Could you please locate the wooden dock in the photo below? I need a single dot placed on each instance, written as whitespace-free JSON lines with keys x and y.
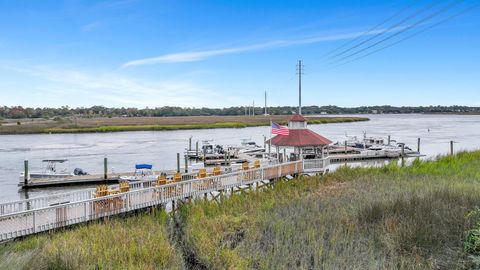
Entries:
{"x":25,"y":217}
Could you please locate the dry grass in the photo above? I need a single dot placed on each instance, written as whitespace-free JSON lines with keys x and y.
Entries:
{"x":69,"y":125}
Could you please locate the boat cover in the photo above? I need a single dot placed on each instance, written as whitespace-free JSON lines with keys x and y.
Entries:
{"x":143,"y":166}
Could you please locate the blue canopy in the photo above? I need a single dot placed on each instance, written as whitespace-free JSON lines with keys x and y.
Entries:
{"x":143,"y":166}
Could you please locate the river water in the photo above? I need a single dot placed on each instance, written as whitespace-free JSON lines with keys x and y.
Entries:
{"x":159,"y":148}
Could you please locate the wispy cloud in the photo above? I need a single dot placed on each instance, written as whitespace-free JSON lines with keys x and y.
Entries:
{"x":200,"y":55}
{"x":115,"y":3}
{"x":115,"y":89}
{"x":91,"y":26}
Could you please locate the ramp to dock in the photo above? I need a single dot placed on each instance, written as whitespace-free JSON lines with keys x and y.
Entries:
{"x":31,"y":216}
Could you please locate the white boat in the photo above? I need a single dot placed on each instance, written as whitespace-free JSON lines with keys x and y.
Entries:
{"x":143,"y":172}
{"x":50,"y":170}
{"x":207,"y":148}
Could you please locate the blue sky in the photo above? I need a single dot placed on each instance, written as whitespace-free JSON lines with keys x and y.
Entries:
{"x":138,"y":53}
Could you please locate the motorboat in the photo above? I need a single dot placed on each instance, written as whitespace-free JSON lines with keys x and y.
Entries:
{"x":50,"y":170}
{"x":143,"y":172}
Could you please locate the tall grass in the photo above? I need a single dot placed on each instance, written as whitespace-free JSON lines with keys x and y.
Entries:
{"x":371,"y":218}
{"x":393,"y":217}
{"x":139,"y":242}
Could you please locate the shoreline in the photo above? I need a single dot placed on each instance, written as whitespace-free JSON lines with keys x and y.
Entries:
{"x":190,"y":123}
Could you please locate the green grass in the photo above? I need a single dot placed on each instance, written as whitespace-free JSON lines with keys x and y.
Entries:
{"x":189,"y":126}
{"x":424,"y":216}
{"x":139,"y":242}
{"x":376,"y":218}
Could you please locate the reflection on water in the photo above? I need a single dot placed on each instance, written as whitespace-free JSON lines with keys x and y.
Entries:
{"x":159,"y":148}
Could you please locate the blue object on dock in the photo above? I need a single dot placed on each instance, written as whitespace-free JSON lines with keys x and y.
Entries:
{"x":143,"y":166}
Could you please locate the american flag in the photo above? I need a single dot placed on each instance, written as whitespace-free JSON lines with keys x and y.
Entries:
{"x":280,"y":130}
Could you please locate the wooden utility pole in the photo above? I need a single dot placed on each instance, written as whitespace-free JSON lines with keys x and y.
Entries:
{"x":265,"y":102}
{"x":299,"y":72}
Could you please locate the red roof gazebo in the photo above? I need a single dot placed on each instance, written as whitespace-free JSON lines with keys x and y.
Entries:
{"x":300,"y":138}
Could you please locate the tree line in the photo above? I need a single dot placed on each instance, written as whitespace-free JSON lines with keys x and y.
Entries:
{"x":18,"y":112}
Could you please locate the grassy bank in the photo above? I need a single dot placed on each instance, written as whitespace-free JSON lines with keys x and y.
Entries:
{"x":69,"y":125}
{"x":414,"y":217}
{"x":139,"y":242}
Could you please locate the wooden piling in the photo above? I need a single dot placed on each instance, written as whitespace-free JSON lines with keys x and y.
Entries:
{"x":190,"y":143}
{"x":418,"y":145}
{"x":26,"y":173}
{"x":403,"y":150}
{"x":186,"y":164}
{"x":196,"y":150}
{"x":451,"y":148}
{"x":105,"y":168}
{"x":389,"y":140}
{"x":178,"y":162}
{"x":346,"y":150}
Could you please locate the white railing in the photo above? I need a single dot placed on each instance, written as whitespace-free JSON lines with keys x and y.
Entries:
{"x":313,"y":165}
{"x":44,"y":215}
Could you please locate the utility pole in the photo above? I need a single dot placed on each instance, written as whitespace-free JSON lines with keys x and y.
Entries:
{"x":265,"y":102}
{"x":299,"y":72}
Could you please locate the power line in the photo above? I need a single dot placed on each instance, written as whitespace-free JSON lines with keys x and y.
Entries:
{"x":429,"y":17}
{"x":369,"y":30}
{"x":413,"y":35}
{"x":393,"y":27}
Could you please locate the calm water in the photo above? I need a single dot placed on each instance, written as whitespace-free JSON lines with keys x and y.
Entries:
{"x":159,"y":148}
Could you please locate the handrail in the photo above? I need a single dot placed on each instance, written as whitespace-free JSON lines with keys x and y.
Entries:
{"x":30,"y":221}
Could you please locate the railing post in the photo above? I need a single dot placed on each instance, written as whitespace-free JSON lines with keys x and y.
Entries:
{"x":85,"y":211}
{"x":127,"y":202}
{"x":33,"y":222}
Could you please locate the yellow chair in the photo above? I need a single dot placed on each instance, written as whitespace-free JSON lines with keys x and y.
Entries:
{"x":217,"y":171}
{"x":256,"y":164}
{"x":161,"y":180}
{"x":245,"y":165}
{"x":202,"y":173}
{"x":124,"y":186}
{"x":177,"y":177}
{"x":101,"y":190}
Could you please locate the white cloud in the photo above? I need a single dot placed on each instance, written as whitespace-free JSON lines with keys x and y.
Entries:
{"x":115,"y":89}
{"x":91,"y":26}
{"x":193,"y":56}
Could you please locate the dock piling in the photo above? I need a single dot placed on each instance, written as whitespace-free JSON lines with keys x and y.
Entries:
{"x":178,"y":162}
{"x":451,"y":148}
{"x":418,"y":145}
{"x":26,"y":173}
{"x":403,"y":150}
{"x":388,"y":139}
{"x":196,"y":150}
{"x":346,"y":150}
{"x":190,"y":143}
{"x":105,"y":168}
{"x":186,"y":164}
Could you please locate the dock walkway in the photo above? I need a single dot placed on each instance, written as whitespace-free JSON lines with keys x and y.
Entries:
{"x":32,"y":216}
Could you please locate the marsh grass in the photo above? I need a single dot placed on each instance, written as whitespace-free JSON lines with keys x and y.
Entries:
{"x":93,"y":125}
{"x":139,"y":242}
{"x":364,"y":218}
{"x":393,"y":217}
